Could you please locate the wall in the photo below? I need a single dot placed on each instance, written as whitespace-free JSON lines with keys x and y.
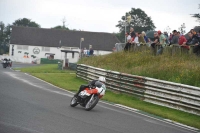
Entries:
{"x":19,"y":56}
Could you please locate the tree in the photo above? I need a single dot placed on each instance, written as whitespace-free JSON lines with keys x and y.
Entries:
{"x":119,"y":36}
{"x":60,"y":27}
{"x":26,"y":23}
{"x":4,"y":38}
{"x":5,"y":32}
{"x":140,"y":22}
{"x":197,"y":15}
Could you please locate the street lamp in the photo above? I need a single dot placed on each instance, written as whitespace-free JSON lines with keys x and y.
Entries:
{"x":9,"y":36}
{"x":60,"y":44}
{"x":12,"y":52}
{"x":126,"y":22}
{"x":81,"y":40}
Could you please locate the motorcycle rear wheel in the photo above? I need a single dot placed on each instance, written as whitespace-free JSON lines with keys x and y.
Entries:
{"x":91,"y":104}
{"x":73,"y":102}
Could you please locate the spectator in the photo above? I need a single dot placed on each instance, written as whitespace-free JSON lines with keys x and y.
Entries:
{"x":91,"y":51}
{"x":179,"y":34}
{"x":156,"y":40}
{"x":193,"y":40}
{"x":128,"y":44}
{"x":85,"y":52}
{"x":145,"y":37}
{"x":170,"y":38}
{"x":182,"y":40}
{"x":114,"y":49}
{"x":88,"y":52}
{"x":132,"y":33}
{"x":162,"y":40}
{"x":199,"y":34}
{"x":174,"y":38}
{"x":141,"y":39}
{"x":167,"y":37}
{"x":193,"y":32}
{"x":136,"y":40}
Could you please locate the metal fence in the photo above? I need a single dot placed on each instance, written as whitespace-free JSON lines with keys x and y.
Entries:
{"x":172,"y":49}
{"x":169,"y":94}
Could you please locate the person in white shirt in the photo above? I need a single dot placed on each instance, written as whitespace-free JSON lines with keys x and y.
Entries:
{"x":128,"y":37}
{"x":85,"y":52}
{"x":136,"y":40}
{"x":128,"y":44}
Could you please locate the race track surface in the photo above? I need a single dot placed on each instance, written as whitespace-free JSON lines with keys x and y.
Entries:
{"x":29,"y":105}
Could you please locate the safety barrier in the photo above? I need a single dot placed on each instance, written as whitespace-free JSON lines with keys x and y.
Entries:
{"x":169,"y":94}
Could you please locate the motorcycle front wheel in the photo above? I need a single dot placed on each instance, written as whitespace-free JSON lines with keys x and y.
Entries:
{"x":73,"y":102}
{"x":4,"y":65}
{"x":91,"y":104}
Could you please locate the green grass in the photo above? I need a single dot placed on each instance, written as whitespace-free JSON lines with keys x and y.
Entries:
{"x":167,"y":113}
{"x":48,"y":68}
{"x":68,"y":80}
{"x":178,"y":68}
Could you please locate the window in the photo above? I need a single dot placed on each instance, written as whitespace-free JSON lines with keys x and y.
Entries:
{"x":46,"y":49}
{"x":22,"y":47}
{"x":19,"y":47}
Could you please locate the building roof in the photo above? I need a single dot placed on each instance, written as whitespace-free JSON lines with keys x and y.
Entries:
{"x":51,"y":38}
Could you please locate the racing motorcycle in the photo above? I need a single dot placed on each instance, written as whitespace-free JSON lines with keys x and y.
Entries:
{"x":89,"y":97}
{"x":6,"y":63}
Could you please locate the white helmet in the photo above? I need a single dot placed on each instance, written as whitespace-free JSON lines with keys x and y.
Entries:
{"x":102,"y":79}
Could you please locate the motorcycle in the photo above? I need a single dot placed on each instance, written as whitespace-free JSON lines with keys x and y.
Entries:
{"x":89,"y":97}
{"x":7,"y":63}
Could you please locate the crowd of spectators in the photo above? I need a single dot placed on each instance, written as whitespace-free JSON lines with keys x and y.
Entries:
{"x":161,"y":40}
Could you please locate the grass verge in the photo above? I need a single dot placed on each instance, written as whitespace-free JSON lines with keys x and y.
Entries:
{"x":177,"y":68}
{"x":68,"y":80}
{"x":48,"y":68}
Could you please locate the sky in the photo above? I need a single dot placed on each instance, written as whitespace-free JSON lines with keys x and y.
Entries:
{"x":101,"y":15}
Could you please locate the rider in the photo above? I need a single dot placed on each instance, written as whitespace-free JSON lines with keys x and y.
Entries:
{"x":94,"y":84}
{"x":5,"y":59}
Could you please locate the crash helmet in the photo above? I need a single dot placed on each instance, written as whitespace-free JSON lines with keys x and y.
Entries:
{"x":102,"y":79}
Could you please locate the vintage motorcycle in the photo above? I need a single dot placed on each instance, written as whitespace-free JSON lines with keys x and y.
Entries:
{"x":6,"y":63}
{"x":89,"y":97}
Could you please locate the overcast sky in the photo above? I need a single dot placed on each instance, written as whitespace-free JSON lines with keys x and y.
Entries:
{"x":99,"y":15}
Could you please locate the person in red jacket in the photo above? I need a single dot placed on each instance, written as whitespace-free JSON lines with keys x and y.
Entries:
{"x":182,"y":40}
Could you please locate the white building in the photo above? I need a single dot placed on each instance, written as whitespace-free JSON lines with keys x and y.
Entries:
{"x":28,"y":44}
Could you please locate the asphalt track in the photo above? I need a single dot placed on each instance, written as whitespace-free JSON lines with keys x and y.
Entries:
{"x":29,"y":105}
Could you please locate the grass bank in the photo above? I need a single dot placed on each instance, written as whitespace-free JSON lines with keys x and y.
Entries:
{"x":178,"y":68}
{"x":68,"y":80}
